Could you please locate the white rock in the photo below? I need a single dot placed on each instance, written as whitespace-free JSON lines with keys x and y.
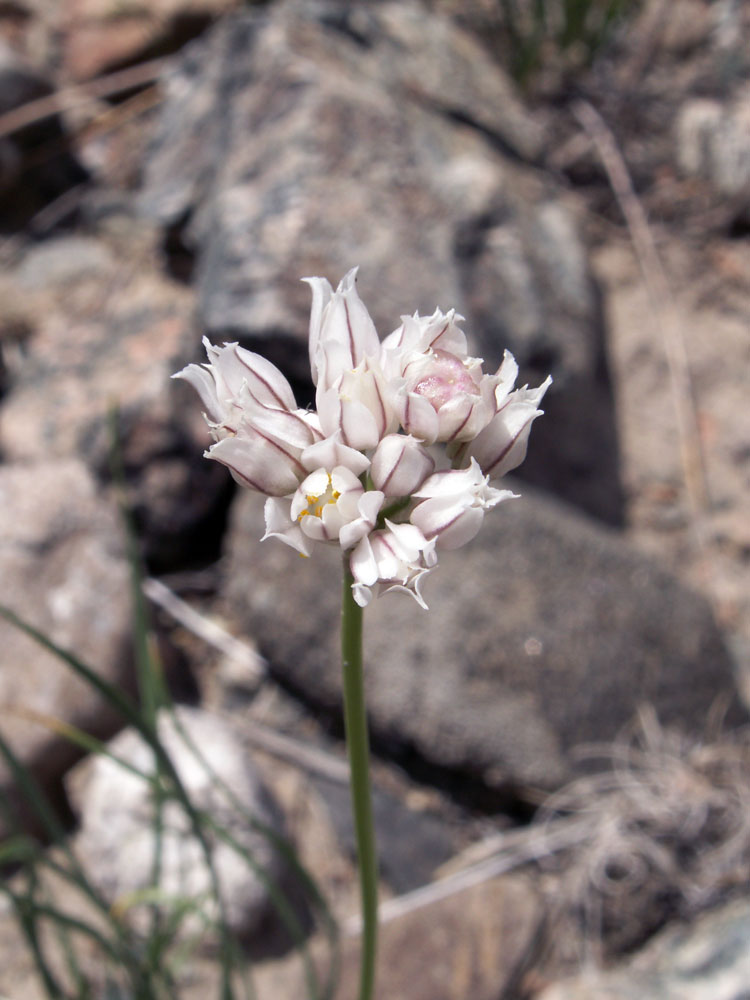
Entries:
{"x":117,"y":841}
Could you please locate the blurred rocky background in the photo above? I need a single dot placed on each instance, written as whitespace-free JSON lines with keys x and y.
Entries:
{"x":574,"y":178}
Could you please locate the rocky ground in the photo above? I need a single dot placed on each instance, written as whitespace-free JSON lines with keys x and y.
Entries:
{"x":596,"y":223}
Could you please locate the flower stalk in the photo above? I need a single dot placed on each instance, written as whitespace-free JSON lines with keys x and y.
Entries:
{"x":358,"y":748}
{"x":393,"y":466}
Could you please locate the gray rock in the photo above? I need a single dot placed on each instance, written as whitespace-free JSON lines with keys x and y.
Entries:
{"x":545,"y":633}
{"x":713,"y":142}
{"x":63,"y":260}
{"x":411,"y":844}
{"x":528,"y":287}
{"x":308,"y":137}
{"x":707,"y":960}
{"x":87,"y":351}
{"x":117,"y":838}
{"x":464,"y":945}
{"x":61,"y":569}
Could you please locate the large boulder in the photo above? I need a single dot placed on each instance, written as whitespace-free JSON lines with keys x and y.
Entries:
{"x":305,"y":138}
{"x":545,"y":633}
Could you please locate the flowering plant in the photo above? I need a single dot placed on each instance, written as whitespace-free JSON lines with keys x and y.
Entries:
{"x":393,"y":465}
{"x":360,"y":472}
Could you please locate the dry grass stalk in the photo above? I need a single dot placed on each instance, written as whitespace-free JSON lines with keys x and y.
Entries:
{"x":92,"y":92}
{"x":664,"y":310}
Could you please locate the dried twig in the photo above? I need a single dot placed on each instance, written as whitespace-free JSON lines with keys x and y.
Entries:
{"x":241,"y":652}
{"x":507,"y":852}
{"x":302,"y":755}
{"x":86,"y":93}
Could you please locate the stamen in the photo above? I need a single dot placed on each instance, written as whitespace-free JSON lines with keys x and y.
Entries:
{"x":315,"y":504}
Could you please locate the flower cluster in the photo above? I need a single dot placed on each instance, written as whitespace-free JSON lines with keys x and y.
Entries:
{"x":395,"y":463}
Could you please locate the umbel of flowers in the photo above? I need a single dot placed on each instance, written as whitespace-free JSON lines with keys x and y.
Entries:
{"x":396,"y":461}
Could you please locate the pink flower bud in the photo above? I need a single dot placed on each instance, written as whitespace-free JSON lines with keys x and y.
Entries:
{"x":443,"y":394}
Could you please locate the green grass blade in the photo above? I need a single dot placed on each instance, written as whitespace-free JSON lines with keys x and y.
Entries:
{"x":151,"y":686}
{"x":121,"y":702}
{"x":285,"y":850}
{"x":23,"y":904}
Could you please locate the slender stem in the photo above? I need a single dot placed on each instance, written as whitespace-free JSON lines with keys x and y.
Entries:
{"x":357,"y":741}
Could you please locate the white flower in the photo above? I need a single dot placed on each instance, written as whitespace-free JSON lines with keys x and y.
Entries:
{"x":501,"y":445}
{"x":326,"y":507}
{"x":259,"y":432}
{"x":453,"y":505}
{"x":260,"y":462}
{"x":378,"y":407}
{"x":397,"y":557}
{"x":233,"y":377}
{"x":357,"y":405}
{"x":342,"y":334}
{"x":344,"y":347}
{"x":333,"y":506}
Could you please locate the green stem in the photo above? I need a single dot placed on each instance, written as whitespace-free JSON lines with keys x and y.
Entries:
{"x":357,"y":742}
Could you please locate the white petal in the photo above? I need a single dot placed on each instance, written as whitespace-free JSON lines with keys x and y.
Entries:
{"x":279,"y":525}
{"x":440,"y":332}
{"x":400,"y":465}
{"x":264,"y":380}
{"x":362,"y":563}
{"x":346,"y":334}
{"x":286,"y":426}
{"x":332,"y":452}
{"x":322,"y":293}
{"x":453,"y":524}
{"x":414,"y":588}
{"x":461,"y":418}
{"x":359,"y":428}
{"x":418,"y":417}
{"x":450,"y":482}
{"x":502,"y":445}
{"x":202,"y":380}
{"x":368,"y":507}
{"x":361,"y":329}
{"x":507,"y":374}
{"x":408,"y":540}
{"x":362,"y":595}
